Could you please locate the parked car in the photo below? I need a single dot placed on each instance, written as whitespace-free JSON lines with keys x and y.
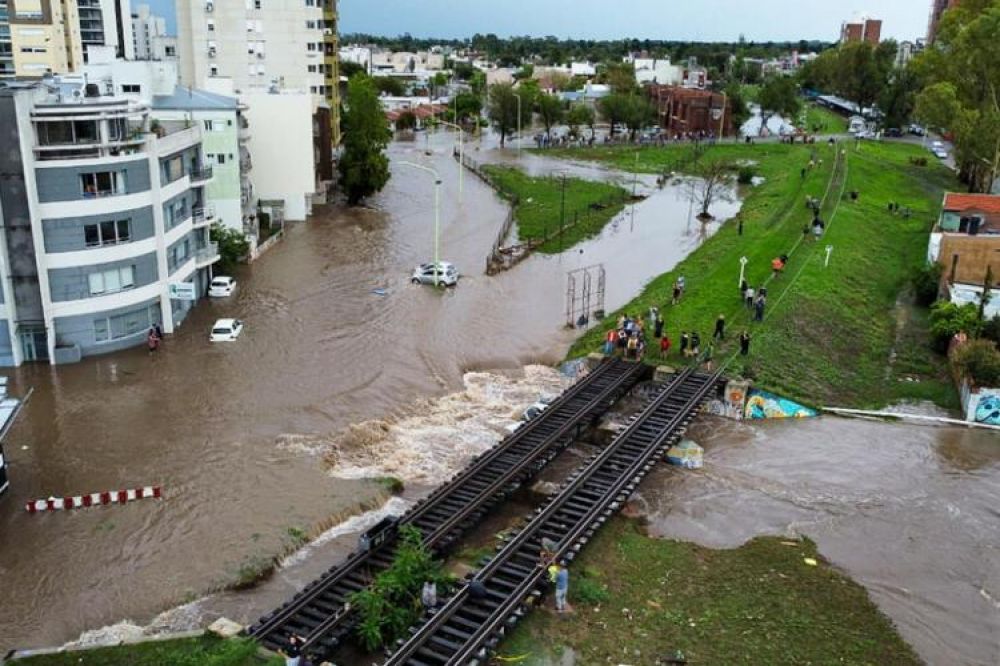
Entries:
{"x":941,"y":153}
{"x":226,"y":330}
{"x":221,"y":286}
{"x":894,"y":132}
{"x":916,"y":130}
{"x":445,"y":273}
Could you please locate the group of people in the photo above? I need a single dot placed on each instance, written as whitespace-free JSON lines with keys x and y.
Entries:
{"x":754,"y":299}
{"x":629,"y":336}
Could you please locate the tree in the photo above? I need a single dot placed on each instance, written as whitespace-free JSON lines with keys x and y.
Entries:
{"x":364,"y":168}
{"x":620,"y":76}
{"x":947,"y":319}
{"x":349,"y":69}
{"x":899,"y":97}
{"x":615,"y":109}
{"x":550,"y":111}
{"x":639,"y":113}
{"x":468,"y":105}
{"x":233,"y":245}
{"x":389,"y":85}
{"x":439,"y":80}
{"x":739,"y":110}
{"x":406,"y":121}
{"x":979,"y":360}
{"x":780,"y":95}
{"x":463,"y":71}
{"x":525,"y":73}
{"x":503,"y":109}
{"x":708,"y":185}
{"x":580,"y":115}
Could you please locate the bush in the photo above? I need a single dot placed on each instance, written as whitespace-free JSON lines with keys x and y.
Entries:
{"x":745,"y":175}
{"x":979,"y":360}
{"x":233,"y":245}
{"x":926,"y":283}
{"x":991,"y":329}
{"x":947,"y":319}
{"x":589,"y":591}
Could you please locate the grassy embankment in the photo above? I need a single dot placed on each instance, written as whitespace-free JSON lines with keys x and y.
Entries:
{"x":637,"y":599}
{"x":589,"y":204}
{"x":828,"y":121}
{"x":829,"y":332}
{"x":201,"y":651}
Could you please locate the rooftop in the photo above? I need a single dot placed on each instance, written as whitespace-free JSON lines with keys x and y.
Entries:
{"x":983,"y":203}
{"x":184,"y":98}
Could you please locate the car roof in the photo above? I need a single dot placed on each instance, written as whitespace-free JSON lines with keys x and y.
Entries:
{"x":219,"y":323}
{"x":222,"y":277}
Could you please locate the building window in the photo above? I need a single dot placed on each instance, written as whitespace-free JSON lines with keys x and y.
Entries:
{"x":208,"y":125}
{"x":33,"y":49}
{"x":130,"y":87}
{"x":112,"y":281}
{"x":310,"y":3}
{"x":310,"y":25}
{"x":102,"y":184}
{"x":256,"y":4}
{"x":220,"y":158}
{"x":213,"y":70}
{"x":211,"y":25}
{"x":311,"y":68}
{"x":111,"y":232}
{"x":176,"y":213}
{"x":310,"y":46}
{"x":124,"y":325}
{"x":173,"y":168}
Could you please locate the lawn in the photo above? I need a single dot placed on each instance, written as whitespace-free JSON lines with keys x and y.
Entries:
{"x":826,"y":120}
{"x":539,"y":206}
{"x":201,"y":651}
{"x":636,"y":600}
{"x":829,"y":332}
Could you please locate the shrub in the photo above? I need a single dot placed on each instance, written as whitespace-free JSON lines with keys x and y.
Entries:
{"x":926,"y":283}
{"x":991,"y":329}
{"x":979,"y":360}
{"x":947,"y":319}
{"x":745,"y":175}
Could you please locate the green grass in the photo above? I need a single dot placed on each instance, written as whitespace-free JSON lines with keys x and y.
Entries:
{"x":201,"y":651}
{"x":828,"y":121}
{"x":589,"y":206}
{"x":758,"y":604}
{"x":828,"y":332}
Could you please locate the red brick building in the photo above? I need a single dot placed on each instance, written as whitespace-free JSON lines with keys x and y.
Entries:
{"x":865,"y":29}
{"x":938,"y":8}
{"x":682,"y":110}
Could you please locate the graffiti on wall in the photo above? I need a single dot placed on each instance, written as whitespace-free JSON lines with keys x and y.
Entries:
{"x":764,"y":405}
{"x":731,"y":404}
{"x":988,"y":408}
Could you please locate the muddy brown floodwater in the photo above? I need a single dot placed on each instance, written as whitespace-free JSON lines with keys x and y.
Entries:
{"x":236,"y":433}
{"x":910,"y":512}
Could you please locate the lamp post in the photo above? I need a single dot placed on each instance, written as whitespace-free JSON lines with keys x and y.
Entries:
{"x":437,"y":211}
{"x":518,"y":125}
{"x":743,"y":267}
{"x":461,"y":153}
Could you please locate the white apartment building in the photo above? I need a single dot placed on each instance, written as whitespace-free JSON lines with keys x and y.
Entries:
{"x":259,"y":44}
{"x":103,"y":222}
{"x":150,"y":40}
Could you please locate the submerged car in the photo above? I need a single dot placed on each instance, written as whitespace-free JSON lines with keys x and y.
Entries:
{"x":226,"y":330}
{"x":221,"y":286}
{"x":443,"y":273}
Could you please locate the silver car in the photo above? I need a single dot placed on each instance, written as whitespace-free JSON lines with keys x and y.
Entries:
{"x":444,"y":273}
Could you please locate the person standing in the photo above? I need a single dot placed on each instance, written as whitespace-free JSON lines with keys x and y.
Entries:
{"x":293,"y":653}
{"x":428,"y":595}
{"x":720,"y":328}
{"x":744,"y":343}
{"x":658,"y":326}
{"x":743,"y":288}
{"x":609,"y":342}
{"x":676,"y":294}
{"x":759,"y":309}
{"x":665,"y":345}
{"x":562,"y":586}
{"x":739,"y":228}
{"x":749,"y":297}
{"x":695,"y":344}
{"x":685,"y":341}
{"x":709,"y":352}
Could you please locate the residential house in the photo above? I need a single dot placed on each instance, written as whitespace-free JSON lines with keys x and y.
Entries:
{"x":681,"y":110}
{"x":966,"y":243}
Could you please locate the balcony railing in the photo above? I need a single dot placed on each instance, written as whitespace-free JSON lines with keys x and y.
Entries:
{"x":201,"y":175}
{"x":208,"y":254}
{"x":246,"y":164}
{"x":203,"y":215}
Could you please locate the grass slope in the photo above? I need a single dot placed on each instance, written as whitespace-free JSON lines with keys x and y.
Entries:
{"x":591,"y":204}
{"x":758,"y":604}
{"x":828,"y":333}
{"x":202,"y":651}
{"x":828,"y":121}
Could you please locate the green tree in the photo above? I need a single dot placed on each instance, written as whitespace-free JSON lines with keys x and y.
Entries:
{"x":406,"y":121}
{"x":979,"y":360}
{"x":638,"y":114}
{"x":503,"y":109}
{"x":899,"y":97}
{"x":478,"y":82}
{"x":581,"y":115}
{"x":525,"y":73}
{"x":364,"y":167}
{"x":739,"y":109}
{"x":962,"y":93}
{"x":349,"y":69}
{"x":550,"y":111}
{"x":615,"y":109}
{"x":233,"y":245}
{"x":947,"y":319}
{"x":620,"y":76}
{"x":389,"y":85}
{"x":863,"y":71}
{"x":468,"y":105}
{"x":780,"y":95}
{"x":439,"y":80}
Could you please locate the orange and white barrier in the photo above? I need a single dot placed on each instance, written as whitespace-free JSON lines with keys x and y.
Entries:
{"x":93,"y":499}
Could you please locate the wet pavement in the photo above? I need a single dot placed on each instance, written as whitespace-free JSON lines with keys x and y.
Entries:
{"x":910,"y":512}
{"x":239,"y":434}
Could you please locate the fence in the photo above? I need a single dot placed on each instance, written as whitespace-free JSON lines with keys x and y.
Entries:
{"x":503,"y":257}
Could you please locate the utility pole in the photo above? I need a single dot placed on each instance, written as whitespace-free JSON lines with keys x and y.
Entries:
{"x":562,"y":212}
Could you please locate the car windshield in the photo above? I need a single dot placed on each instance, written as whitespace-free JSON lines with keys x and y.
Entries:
{"x":220,"y":283}
{"x":221,"y":331}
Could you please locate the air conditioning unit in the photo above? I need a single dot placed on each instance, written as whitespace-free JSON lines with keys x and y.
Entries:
{"x":260,"y":54}
{"x":211,"y":52}
{"x":209,"y":6}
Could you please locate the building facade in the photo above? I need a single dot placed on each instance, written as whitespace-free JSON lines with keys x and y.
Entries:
{"x":680,"y":110}
{"x":862,"y":29}
{"x":6,"y":48}
{"x":150,"y":40}
{"x":938,"y":8}
{"x":103,"y":219}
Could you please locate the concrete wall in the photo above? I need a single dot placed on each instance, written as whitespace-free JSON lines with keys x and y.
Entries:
{"x":63,"y":183}
{"x":71,"y":284}
{"x":975,"y":253}
{"x":67,"y":235}
{"x":80,"y":330}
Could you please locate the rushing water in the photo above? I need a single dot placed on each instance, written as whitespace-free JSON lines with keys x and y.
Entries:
{"x":910,"y":512}
{"x":240,"y":435}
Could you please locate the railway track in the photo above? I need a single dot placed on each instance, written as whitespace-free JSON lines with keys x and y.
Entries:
{"x":471,"y":622}
{"x":320,"y":613}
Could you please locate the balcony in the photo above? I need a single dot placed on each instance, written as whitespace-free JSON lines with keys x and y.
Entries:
{"x":205,"y":256}
{"x":246,"y":164}
{"x":203,"y":216}
{"x":244,"y":133}
{"x":200,"y":176}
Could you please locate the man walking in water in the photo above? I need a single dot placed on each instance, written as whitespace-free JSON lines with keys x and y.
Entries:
{"x":562,"y":586}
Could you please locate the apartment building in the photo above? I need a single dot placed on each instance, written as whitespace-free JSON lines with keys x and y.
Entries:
{"x":938,"y":8}
{"x":262,"y":45}
{"x":6,"y":48}
{"x":862,"y":29}
{"x":103,"y":222}
{"x":150,"y":40}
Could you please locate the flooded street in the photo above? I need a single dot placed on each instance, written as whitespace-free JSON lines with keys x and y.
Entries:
{"x":238,"y":434}
{"x":910,"y":512}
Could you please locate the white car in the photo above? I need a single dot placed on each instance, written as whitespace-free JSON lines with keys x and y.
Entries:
{"x":226,"y":330}
{"x":444,"y":273}
{"x":941,"y":153}
{"x":221,"y":286}
{"x":936,"y":145}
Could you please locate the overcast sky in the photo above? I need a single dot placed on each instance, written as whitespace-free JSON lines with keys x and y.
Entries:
{"x":703,"y":20}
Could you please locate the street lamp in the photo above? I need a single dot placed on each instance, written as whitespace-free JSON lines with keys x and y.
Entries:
{"x":437,"y":212}
{"x":461,"y":153}
{"x":743,"y":267}
{"x":518,"y":125}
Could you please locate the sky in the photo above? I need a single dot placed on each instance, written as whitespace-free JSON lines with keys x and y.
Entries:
{"x":701,"y":20}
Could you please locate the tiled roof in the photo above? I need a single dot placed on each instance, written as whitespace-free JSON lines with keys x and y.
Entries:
{"x":984,"y":203}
